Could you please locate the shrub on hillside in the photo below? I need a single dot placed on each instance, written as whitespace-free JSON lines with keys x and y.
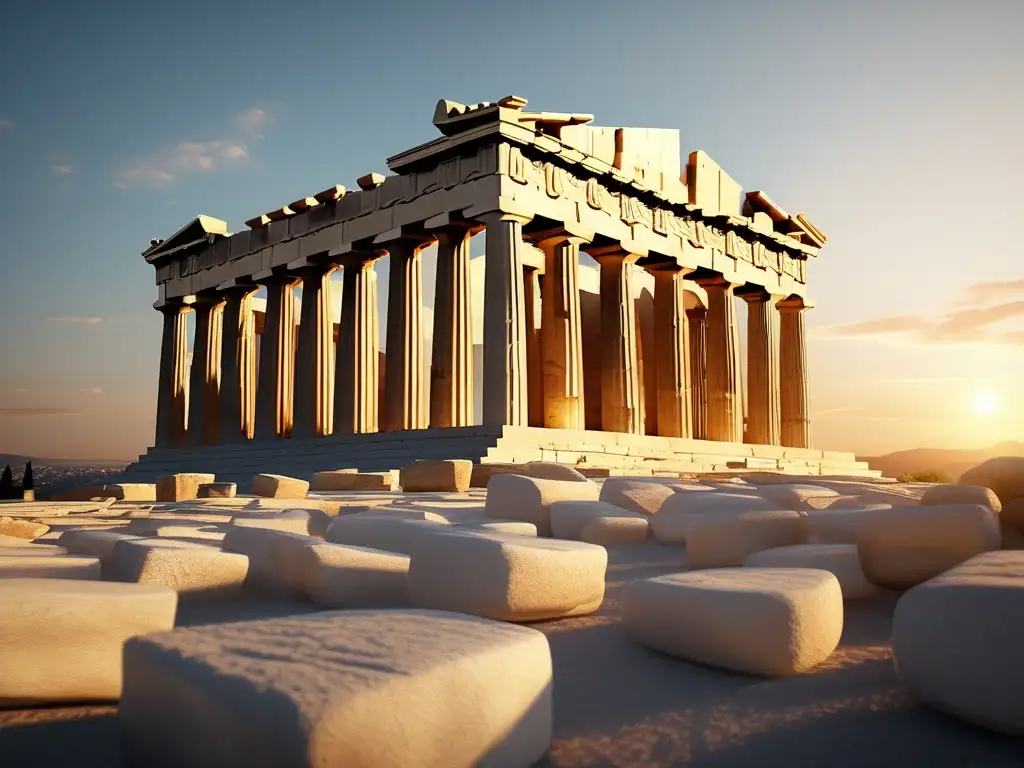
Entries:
{"x":928,"y":476}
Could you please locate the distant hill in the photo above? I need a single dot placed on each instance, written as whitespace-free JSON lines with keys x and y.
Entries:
{"x":950,"y":461}
{"x":16,"y":461}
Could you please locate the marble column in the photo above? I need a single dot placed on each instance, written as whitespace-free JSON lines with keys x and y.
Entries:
{"x":621,"y":404}
{"x":671,"y":357}
{"x":534,"y":374}
{"x":697,"y":320}
{"x":204,"y":376}
{"x":173,"y":376}
{"x":451,"y":369}
{"x":561,"y":334}
{"x":505,"y":393}
{"x":404,"y":385}
{"x":314,"y":362}
{"x":277,"y":359}
{"x":795,"y":416}
{"x":357,"y":370}
{"x":238,"y":365}
{"x":763,"y":404}
{"x":724,"y":403}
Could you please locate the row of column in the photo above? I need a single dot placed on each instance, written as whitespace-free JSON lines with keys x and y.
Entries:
{"x":308,"y":386}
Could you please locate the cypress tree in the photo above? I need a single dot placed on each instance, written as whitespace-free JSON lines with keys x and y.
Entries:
{"x":6,"y":483}
{"x":26,"y":481}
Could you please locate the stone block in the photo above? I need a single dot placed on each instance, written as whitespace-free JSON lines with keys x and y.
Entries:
{"x":508,"y":577}
{"x":424,"y":475}
{"x":838,"y":559}
{"x":482,"y":473}
{"x":131,"y":491}
{"x":900,"y":548}
{"x":609,"y":531}
{"x":98,"y":544}
{"x":500,"y":526}
{"x":22,"y":529}
{"x":798,"y":497}
{"x":350,"y":480}
{"x":277,"y":561}
{"x":726,"y":539}
{"x":569,"y":518}
{"x":529,"y":499}
{"x":640,"y":496}
{"x":181,"y":487}
{"x":836,"y":526}
{"x":192,"y":570}
{"x":955,"y":493}
{"x":279,"y":487}
{"x":62,"y":639}
{"x":43,"y":566}
{"x":1012,"y":516}
{"x":14,"y":547}
{"x":765,"y":621}
{"x":342,"y":576}
{"x":381,"y":531}
{"x":672,"y":522}
{"x":442,"y":690}
{"x":550,"y":470}
{"x":217,"y":491}
{"x":956,"y":640}
{"x":290,"y":520}
{"x":1003,"y":474}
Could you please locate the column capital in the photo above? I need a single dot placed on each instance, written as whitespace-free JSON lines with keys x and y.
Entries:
{"x":567,"y":232}
{"x":451,"y":222}
{"x":754,"y":294}
{"x":174,"y":305}
{"x":508,"y":211}
{"x":714,"y":280}
{"x":236,"y":286}
{"x":668,"y":269}
{"x":274,"y":277}
{"x":627,"y":250}
{"x":794,"y":303}
{"x":210,"y":298}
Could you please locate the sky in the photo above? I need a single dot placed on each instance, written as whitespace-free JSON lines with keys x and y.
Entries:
{"x":895,"y":127}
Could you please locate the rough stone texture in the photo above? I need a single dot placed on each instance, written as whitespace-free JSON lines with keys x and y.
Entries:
{"x":363,"y":688}
{"x":838,"y":559}
{"x":217,"y":491}
{"x":727,"y":539}
{"x":22,"y":529}
{"x":955,"y":493}
{"x":609,"y":531}
{"x":552,"y":470}
{"x":900,"y":548}
{"x":956,"y":641}
{"x":279,"y":487}
{"x":42,"y":566}
{"x":62,"y":639}
{"x":14,"y":547}
{"x":635,"y":495}
{"x":131,"y":491}
{"x":424,"y":475}
{"x":1004,"y":475}
{"x":1012,"y":515}
{"x":508,"y":577}
{"x":514,"y":497}
{"x":767,"y":621}
{"x":182,"y":486}
{"x":379,"y":531}
{"x":192,"y":570}
{"x":98,"y":544}
{"x":341,"y":576}
{"x":277,"y":563}
{"x":671,"y":524}
{"x":836,"y":526}
{"x":174,"y":529}
{"x":799,"y":497}
{"x":500,"y":526}
{"x":290,"y":520}
{"x":482,"y":473}
{"x":350,"y":480}
{"x":569,"y":518}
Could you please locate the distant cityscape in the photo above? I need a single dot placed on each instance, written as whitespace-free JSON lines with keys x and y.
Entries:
{"x":62,"y":475}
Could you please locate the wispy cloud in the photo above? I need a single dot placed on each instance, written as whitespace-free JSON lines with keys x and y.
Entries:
{"x":39,"y":412}
{"x":57,"y":168}
{"x":168,"y":164}
{"x":91,"y":390}
{"x":77,"y":320}
{"x":6,"y":123}
{"x":974,"y":318}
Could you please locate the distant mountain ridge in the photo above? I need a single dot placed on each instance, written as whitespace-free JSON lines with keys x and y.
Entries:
{"x":15,"y":460}
{"x":949,"y":461}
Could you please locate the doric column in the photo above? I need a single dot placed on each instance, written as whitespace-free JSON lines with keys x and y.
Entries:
{"x":404,"y":386}
{"x":357,"y":370}
{"x":724,"y":403}
{"x":621,"y":405}
{"x":238,"y":365}
{"x":505,"y":398}
{"x":763,"y":405}
{"x":277,"y":359}
{"x":534,"y":375}
{"x":204,"y":376}
{"x":697,"y":320}
{"x":173,"y":376}
{"x":671,"y":357}
{"x":561,"y":334}
{"x":796,"y":423}
{"x":314,"y":361}
{"x":451,"y":369}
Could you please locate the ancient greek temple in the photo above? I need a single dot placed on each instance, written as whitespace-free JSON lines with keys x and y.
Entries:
{"x":599,"y":328}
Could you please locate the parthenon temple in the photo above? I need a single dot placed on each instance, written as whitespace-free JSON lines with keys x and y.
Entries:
{"x":600,"y":327}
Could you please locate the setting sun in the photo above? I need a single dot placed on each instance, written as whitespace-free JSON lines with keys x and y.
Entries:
{"x":985,"y":403}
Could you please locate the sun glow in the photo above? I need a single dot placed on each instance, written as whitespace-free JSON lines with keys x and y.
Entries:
{"x":985,"y":403}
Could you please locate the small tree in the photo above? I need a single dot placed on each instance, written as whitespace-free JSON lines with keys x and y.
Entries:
{"x":6,"y":483}
{"x":26,"y":481}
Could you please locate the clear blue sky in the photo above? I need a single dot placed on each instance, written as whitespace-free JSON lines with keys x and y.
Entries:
{"x":895,"y":126}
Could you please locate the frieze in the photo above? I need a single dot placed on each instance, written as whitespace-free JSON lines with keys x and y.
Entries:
{"x":553,"y":180}
{"x":685,"y":228}
{"x":517,"y":165}
{"x":661,"y":217}
{"x":738,"y":248}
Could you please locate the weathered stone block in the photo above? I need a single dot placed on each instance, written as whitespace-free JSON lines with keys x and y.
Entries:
{"x":351,"y":480}
{"x":838,"y":559}
{"x":131,"y":491}
{"x":341,"y":576}
{"x":192,"y":570}
{"x":672,"y":522}
{"x":279,"y":487}
{"x":725,"y":539}
{"x":217,"y":491}
{"x":955,"y":493}
{"x":529,"y":499}
{"x":381,"y":531}
{"x":277,"y":561}
{"x":42,"y":566}
{"x":1004,"y":475}
{"x":22,"y":529}
{"x":290,"y":520}
{"x":450,"y":475}
{"x":98,"y":544}
{"x":569,"y":518}
{"x":609,"y":531}
{"x":636,"y":495}
{"x":181,"y":487}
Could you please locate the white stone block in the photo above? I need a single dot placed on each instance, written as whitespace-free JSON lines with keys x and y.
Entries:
{"x":429,"y":475}
{"x":290,"y":520}
{"x":345,"y":480}
{"x":342,"y":576}
{"x":957,"y":639}
{"x":798,"y":496}
{"x":610,"y":531}
{"x":836,"y":526}
{"x":277,"y":561}
{"x":769,"y":621}
{"x":61,"y":640}
{"x":552,"y":470}
{"x":500,"y":526}
{"x":192,"y":570}
{"x":131,"y":491}
{"x":98,"y":544}
{"x":182,"y":486}
{"x":279,"y":487}
{"x":569,"y":518}
{"x":954,"y":493}
{"x":380,"y":531}
{"x":217,"y":491}
{"x":508,"y":577}
{"x":838,"y":559}
{"x":356,"y":688}
{"x":723,"y":539}
{"x":22,"y":529}
{"x":529,"y":499}
{"x":40,"y":566}
{"x":670,"y":525}
{"x":900,"y":548}
{"x":636,"y":495}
